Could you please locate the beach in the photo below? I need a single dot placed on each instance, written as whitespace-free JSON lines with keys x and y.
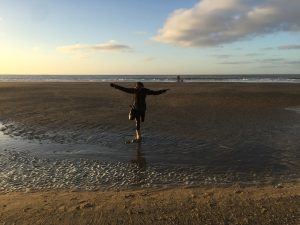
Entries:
{"x":212,"y":153}
{"x":211,"y":206}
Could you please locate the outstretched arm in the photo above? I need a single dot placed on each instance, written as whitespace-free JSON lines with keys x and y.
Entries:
{"x":151,"y":92}
{"x":127,"y":90}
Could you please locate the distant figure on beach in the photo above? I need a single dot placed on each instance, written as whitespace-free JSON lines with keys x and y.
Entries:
{"x":179,"y":79}
{"x":138,"y":107}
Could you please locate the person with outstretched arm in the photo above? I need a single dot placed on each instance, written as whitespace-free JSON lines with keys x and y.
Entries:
{"x":139,"y":103}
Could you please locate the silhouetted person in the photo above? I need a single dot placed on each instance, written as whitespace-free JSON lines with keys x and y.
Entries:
{"x":179,"y":79}
{"x":139,"y":104}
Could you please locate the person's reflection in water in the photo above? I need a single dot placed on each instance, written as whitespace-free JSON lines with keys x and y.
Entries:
{"x":139,"y":160}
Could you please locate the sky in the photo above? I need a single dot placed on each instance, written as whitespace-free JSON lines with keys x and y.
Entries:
{"x":95,"y":37}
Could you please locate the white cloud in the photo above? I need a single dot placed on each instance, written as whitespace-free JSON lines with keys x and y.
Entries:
{"x":109,"y":46}
{"x":215,"y":22}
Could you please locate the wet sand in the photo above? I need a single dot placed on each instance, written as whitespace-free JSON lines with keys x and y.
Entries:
{"x":215,"y":132}
{"x":201,"y":110}
{"x":223,"y":112}
{"x":231,"y":132}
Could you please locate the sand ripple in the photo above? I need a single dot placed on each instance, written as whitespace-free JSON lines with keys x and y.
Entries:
{"x":21,"y":171}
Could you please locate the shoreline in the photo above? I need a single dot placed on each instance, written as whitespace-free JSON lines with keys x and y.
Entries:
{"x":246,"y":78}
{"x":206,"y":205}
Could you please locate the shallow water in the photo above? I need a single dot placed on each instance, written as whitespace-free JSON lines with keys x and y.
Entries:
{"x":98,"y":159}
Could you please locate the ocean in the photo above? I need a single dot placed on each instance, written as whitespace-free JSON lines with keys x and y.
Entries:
{"x":260,"y":78}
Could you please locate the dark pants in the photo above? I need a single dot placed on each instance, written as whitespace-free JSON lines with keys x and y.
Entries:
{"x":140,"y":116}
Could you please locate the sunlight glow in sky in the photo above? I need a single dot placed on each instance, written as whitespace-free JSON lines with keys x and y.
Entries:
{"x":149,"y":37}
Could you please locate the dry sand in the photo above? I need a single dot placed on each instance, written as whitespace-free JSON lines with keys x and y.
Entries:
{"x":211,"y":206}
{"x":191,"y":110}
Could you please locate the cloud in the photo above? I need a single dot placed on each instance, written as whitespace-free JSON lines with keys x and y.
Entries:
{"x":150,"y":59}
{"x":236,"y":62}
{"x":253,"y":54}
{"x":275,"y":61}
{"x":280,"y":62}
{"x":222,"y":56}
{"x":214,"y":22}
{"x":109,"y":46}
{"x":267,"y":48}
{"x":289,"y":47}
{"x":293,"y":62}
{"x":272,"y":60}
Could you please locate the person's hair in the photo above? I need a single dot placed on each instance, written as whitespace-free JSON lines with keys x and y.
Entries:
{"x":140,"y":84}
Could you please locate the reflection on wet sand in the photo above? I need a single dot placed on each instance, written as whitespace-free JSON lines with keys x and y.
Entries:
{"x":140,"y":165}
{"x":139,"y":159}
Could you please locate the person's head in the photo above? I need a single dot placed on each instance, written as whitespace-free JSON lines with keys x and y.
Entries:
{"x":139,"y":85}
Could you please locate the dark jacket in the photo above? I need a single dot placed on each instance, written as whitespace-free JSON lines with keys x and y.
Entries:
{"x":139,"y":95}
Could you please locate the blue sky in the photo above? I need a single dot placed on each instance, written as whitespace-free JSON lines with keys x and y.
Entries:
{"x":149,"y":37}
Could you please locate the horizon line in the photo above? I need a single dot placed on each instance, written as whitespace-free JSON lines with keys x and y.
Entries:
{"x":216,"y":74}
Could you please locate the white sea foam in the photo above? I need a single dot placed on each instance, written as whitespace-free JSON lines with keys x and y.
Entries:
{"x":294,"y":109}
{"x":153,"y":78}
